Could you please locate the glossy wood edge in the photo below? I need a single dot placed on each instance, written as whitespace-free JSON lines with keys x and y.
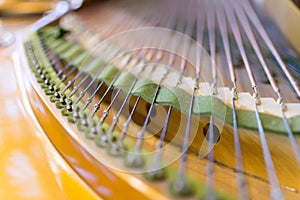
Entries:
{"x":12,"y":7}
{"x":85,"y":190}
{"x":107,"y":183}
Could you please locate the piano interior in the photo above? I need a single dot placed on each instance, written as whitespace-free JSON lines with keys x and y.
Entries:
{"x":195,"y":99}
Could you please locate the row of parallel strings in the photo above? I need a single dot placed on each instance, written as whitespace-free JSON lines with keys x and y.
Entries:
{"x":241,"y":11}
{"x":239,"y":17}
{"x":232,"y":23}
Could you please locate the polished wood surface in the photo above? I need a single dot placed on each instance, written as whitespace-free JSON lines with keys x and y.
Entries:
{"x":20,"y":7}
{"x":30,"y":166}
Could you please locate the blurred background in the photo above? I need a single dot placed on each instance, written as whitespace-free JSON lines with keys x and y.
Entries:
{"x":24,"y":7}
{"x":12,"y":8}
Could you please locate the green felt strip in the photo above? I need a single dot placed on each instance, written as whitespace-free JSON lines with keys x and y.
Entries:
{"x":125,"y":81}
{"x":180,"y":99}
{"x":65,"y":46}
{"x":145,"y":88}
{"x":74,"y":51}
{"x":108,"y":74}
{"x":81,"y":59}
{"x":54,"y":32}
{"x":94,"y":67}
{"x":55,"y":42}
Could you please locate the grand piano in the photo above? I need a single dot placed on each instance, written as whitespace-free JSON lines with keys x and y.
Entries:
{"x":119,"y":99}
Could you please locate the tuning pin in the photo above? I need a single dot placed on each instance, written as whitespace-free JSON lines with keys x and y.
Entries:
{"x":69,"y":106}
{"x":156,"y":174}
{"x":50,"y":90}
{"x":134,"y":160}
{"x":92,"y":132}
{"x":45,"y":84}
{"x":182,"y":188}
{"x":42,"y":77}
{"x":71,"y":118}
{"x":54,"y":97}
{"x":116,"y":149}
{"x":61,"y":102}
{"x":101,"y":139}
{"x":76,"y":113}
